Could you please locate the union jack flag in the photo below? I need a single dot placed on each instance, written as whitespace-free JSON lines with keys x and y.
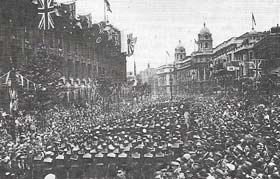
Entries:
{"x":255,"y":67}
{"x":46,"y":8}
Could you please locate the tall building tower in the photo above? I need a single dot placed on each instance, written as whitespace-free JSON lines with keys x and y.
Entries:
{"x":180,"y":52}
{"x":205,"y":41}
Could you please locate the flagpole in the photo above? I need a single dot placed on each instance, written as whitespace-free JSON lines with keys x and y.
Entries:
{"x":252,"y":22}
{"x":104,"y":12}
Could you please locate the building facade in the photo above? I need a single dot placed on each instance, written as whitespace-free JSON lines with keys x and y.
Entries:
{"x":201,"y":60}
{"x":88,"y":52}
{"x":148,"y":77}
{"x":224,"y":67}
{"x":165,"y":81}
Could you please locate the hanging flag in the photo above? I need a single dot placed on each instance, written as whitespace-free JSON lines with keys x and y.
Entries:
{"x":108,"y":5}
{"x":253,"y":19}
{"x":130,"y":44}
{"x":167,"y":53}
{"x":13,"y":100}
{"x":46,"y":9}
{"x":116,"y":38}
{"x":86,"y":20}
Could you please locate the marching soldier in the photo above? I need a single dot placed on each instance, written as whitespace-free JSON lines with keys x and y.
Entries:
{"x":87,"y":164}
{"x":148,"y":167}
{"x":135,"y":164}
{"x":60,"y":169}
{"x":99,"y":165}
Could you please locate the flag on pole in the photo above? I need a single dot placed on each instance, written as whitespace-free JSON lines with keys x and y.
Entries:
{"x":46,"y":9}
{"x":167,"y":53}
{"x":108,"y":5}
{"x":253,"y":19}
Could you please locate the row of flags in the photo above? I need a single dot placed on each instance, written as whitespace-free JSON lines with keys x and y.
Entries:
{"x":254,"y":67}
{"x":51,"y":15}
{"x":20,"y":79}
{"x":6,"y":79}
{"x":65,"y":12}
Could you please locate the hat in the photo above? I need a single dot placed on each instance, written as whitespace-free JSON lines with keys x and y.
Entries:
{"x":230,"y":166}
{"x":60,"y":157}
{"x":175,"y":163}
{"x":50,"y":176}
{"x":48,"y":160}
{"x":99,"y":155}
{"x":123,"y":155}
{"x":111,"y":155}
{"x":87,"y":156}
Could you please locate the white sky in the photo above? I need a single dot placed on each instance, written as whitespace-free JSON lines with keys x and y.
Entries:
{"x":160,"y":24}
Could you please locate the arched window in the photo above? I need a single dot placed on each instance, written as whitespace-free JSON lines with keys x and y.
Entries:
{"x":206,"y":45}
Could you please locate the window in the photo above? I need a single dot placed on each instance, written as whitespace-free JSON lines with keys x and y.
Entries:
{"x":77,"y":69}
{"x":206,"y":45}
{"x":89,"y":70}
{"x":70,"y":68}
{"x":250,"y":55}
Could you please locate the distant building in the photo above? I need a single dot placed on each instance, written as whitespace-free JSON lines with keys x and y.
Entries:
{"x":165,"y":78}
{"x":226,"y":65}
{"x":233,"y":60}
{"x":201,"y":59}
{"x":268,"y":49}
{"x":148,"y":76}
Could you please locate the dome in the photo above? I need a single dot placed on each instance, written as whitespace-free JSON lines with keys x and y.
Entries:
{"x":180,"y":47}
{"x":204,"y":30}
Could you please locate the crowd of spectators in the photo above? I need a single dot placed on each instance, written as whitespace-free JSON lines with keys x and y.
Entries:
{"x":194,"y":137}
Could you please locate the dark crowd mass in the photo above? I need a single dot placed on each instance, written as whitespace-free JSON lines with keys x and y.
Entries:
{"x":198,"y":137}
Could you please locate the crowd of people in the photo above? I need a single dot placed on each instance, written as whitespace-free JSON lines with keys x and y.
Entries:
{"x":194,"y":137}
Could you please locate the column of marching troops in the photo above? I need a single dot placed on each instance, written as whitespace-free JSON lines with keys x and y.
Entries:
{"x":138,"y":144}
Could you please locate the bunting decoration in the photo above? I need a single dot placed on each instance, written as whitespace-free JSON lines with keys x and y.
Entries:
{"x":24,"y":82}
{"x":46,"y":9}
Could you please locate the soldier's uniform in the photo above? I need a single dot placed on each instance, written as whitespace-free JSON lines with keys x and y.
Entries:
{"x":38,"y":166}
{"x":47,"y":165}
{"x":87,"y":164}
{"x":135,"y":164}
{"x":99,"y":165}
{"x":111,"y":165}
{"x":60,"y":169}
{"x":75,"y":171}
{"x":148,"y":166}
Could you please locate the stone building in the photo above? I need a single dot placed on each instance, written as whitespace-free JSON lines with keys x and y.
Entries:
{"x":148,"y":76}
{"x":87,"y":54}
{"x":165,"y":78}
{"x":201,"y":60}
